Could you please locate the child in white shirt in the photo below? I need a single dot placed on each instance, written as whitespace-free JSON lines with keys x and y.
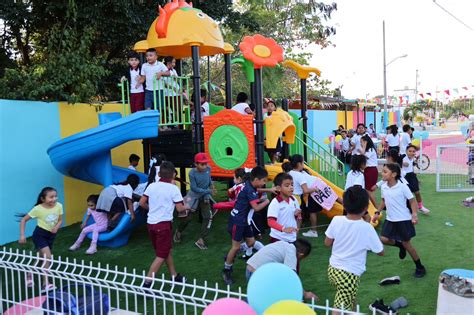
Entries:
{"x":350,"y":238}
{"x":356,"y":174}
{"x":242,"y":107}
{"x":408,"y":172}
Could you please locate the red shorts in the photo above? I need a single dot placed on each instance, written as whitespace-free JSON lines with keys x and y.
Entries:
{"x":161,"y":236}
{"x":137,"y":102}
{"x":371,"y":175}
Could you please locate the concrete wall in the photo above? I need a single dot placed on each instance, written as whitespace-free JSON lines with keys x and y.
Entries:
{"x":27,"y":130}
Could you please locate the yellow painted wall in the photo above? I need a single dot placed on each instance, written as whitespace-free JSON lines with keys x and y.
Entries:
{"x":76,"y":118}
{"x":350,"y":120}
{"x":341,"y":118}
{"x":391,"y":118}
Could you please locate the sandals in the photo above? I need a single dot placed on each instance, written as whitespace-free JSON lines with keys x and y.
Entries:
{"x":457,"y":285}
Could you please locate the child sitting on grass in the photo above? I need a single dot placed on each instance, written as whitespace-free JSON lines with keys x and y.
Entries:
{"x":160,"y":199}
{"x":283,"y":253}
{"x":350,"y":238}
{"x":238,"y":225}
{"x":199,"y":198}
{"x":99,"y":226}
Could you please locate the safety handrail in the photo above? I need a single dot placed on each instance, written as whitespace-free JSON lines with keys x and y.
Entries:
{"x":170,"y":95}
{"x":125,"y":91}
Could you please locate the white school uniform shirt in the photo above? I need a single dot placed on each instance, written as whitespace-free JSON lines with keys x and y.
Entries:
{"x":371,"y":158}
{"x":205,"y":109}
{"x":123,"y":191}
{"x":150,"y":71}
{"x":298,"y":180}
{"x":381,"y":182}
{"x":345,"y":144}
{"x":354,"y":178}
{"x":356,"y":141}
{"x":396,"y":201}
{"x":240,"y":108}
{"x":393,"y":141}
{"x":278,"y":252}
{"x":352,"y":240}
{"x":162,"y":198}
{"x":171,"y":85}
{"x":409,"y":168}
{"x":404,"y":142}
{"x":131,"y":167}
{"x":134,"y":77}
{"x":284,"y":213}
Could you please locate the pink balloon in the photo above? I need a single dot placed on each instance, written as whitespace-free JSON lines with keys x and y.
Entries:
{"x":331,"y":137}
{"x":427,"y":143}
{"x":229,"y":306}
{"x":337,"y":146}
{"x":472,"y":133}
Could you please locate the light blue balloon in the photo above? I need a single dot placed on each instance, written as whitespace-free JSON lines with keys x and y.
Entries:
{"x":425,"y":135}
{"x":271,"y":283}
{"x":416,"y":135}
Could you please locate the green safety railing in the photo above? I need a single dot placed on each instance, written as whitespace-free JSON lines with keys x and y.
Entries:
{"x":169,"y":99}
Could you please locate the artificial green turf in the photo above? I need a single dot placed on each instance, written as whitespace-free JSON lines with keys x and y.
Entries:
{"x":439,"y":246}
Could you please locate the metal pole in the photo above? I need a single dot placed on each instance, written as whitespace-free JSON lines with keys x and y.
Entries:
{"x":179,"y":66}
{"x":209,"y":87}
{"x":416,"y":87}
{"x":228,"y":82}
{"x":252,"y":94}
{"x":198,"y":134}
{"x":385,"y":118}
{"x":304,"y":117}
{"x":284,"y":106}
{"x":259,"y":116}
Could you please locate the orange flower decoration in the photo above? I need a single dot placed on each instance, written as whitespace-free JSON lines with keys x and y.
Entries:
{"x":262,"y":51}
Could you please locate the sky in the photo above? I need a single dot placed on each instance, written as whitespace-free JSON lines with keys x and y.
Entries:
{"x":438,"y":46}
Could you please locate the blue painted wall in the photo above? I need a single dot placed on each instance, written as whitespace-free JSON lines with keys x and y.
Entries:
{"x":27,"y":129}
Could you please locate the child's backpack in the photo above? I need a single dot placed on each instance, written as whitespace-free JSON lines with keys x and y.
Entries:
{"x":61,"y":301}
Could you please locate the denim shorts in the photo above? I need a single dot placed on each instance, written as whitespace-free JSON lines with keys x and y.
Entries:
{"x":149,"y":100}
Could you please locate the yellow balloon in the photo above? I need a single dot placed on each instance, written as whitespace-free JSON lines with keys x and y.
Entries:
{"x":338,"y":138}
{"x":327,"y":141}
{"x":416,"y":142}
{"x":289,"y":307}
{"x":468,"y":141}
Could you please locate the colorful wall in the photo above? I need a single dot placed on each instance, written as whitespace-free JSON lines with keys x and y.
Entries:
{"x":27,"y":130}
{"x":321,"y":123}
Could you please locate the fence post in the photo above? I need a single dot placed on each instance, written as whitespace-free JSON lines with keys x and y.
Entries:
{"x":438,"y":168}
{"x":421,"y":153}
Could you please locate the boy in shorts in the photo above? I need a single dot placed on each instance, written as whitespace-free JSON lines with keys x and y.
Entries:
{"x":160,"y":199}
{"x":239,"y":226}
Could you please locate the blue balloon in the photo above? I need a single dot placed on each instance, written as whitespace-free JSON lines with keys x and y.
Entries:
{"x":416,"y":135}
{"x":425,"y":135}
{"x":271,"y":283}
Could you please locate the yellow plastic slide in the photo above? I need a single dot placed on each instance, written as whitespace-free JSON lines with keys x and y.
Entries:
{"x":274,"y":169}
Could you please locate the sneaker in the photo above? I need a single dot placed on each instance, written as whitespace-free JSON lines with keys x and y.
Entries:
{"x":420,"y":272}
{"x":310,"y":233}
{"x":424,"y":210}
{"x":200,"y":245}
{"x":227,"y":276}
{"x":179,"y":278}
{"x":74,"y":247}
{"x":177,"y":237}
{"x":91,"y":250}
{"x":391,"y":280}
{"x":402,"y":253}
{"x":48,"y":287}
{"x":380,"y":308}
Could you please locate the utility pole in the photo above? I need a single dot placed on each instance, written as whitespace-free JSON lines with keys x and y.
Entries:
{"x":385,"y":115}
{"x":416,"y":87}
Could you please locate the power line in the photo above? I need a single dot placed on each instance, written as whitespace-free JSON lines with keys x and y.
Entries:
{"x":452,"y":15}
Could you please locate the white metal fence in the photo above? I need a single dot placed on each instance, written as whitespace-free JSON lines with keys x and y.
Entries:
{"x":99,"y":289}
{"x":455,"y":168}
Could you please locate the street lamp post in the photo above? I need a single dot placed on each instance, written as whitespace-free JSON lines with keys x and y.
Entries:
{"x":385,"y":65}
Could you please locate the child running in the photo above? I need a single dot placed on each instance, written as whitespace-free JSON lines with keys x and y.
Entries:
{"x":198,"y":198}
{"x":350,"y":238}
{"x":99,"y":226}
{"x":160,"y":199}
{"x":371,"y":173}
{"x":238,"y":225}
{"x":283,"y":253}
{"x":356,"y":174}
{"x":283,"y":211}
{"x":399,"y":226}
{"x":116,"y":199}
{"x":409,"y":173}
{"x":49,"y":213}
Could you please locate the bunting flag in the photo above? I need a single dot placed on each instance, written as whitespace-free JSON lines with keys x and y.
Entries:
{"x":465,"y":88}
{"x":401,"y":99}
{"x":429,"y":93}
{"x":447,"y":92}
{"x":422,"y":96}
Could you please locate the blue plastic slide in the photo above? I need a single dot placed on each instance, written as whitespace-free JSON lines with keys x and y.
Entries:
{"x":86,"y":156}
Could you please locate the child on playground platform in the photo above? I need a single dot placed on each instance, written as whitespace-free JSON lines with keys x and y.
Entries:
{"x":134,"y":160}
{"x":283,"y":211}
{"x":242,"y":106}
{"x":198,"y":198}
{"x":137,"y":94}
{"x":289,"y":254}
{"x":238,"y":225}
{"x":99,"y":226}
{"x":49,"y":213}
{"x":408,"y":172}
{"x":350,"y":238}
{"x":160,"y":199}
{"x":274,"y":154}
{"x":152,"y":70}
{"x":116,"y":199}
{"x":399,"y":226}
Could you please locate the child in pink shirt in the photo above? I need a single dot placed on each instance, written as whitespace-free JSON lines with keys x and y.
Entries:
{"x":99,"y":225}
